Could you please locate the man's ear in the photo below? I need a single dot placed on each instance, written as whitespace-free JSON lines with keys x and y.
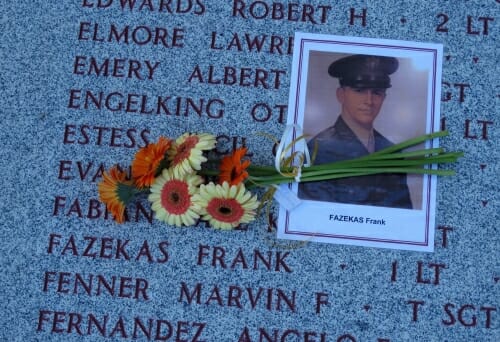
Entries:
{"x":340,"y":95}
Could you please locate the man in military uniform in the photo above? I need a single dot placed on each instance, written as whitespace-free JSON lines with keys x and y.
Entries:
{"x":363,"y":82}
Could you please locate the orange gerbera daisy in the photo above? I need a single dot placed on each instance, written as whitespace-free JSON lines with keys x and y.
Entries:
{"x":115,"y":191}
{"x":148,"y":160}
{"x":232,"y":169}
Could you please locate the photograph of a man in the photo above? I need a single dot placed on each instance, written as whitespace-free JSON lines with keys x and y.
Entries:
{"x":363,"y":84}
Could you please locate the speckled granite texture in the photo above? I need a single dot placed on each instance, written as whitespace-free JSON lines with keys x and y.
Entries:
{"x":362,"y":294}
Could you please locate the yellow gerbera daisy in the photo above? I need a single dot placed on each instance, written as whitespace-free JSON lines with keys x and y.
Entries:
{"x":186,"y":153}
{"x":171,"y":198}
{"x":225,"y":206}
{"x":115,"y":191}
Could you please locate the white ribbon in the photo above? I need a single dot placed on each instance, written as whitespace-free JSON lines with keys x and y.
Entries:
{"x":286,"y":149}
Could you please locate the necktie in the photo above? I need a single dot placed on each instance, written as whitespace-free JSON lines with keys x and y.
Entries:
{"x":371,"y":143}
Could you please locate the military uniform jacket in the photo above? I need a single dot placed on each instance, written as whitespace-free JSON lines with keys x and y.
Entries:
{"x":339,"y":142}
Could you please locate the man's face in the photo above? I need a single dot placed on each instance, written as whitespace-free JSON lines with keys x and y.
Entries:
{"x":361,"y":104}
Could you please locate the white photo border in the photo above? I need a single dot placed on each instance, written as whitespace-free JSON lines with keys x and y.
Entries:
{"x":296,"y":224}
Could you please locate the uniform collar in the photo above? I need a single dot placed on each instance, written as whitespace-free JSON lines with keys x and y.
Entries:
{"x":366,"y":137}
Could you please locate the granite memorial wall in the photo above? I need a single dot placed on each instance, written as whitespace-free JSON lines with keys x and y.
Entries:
{"x":85,"y":83}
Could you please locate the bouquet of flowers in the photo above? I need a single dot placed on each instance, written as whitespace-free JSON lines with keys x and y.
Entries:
{"x":184,"y":186}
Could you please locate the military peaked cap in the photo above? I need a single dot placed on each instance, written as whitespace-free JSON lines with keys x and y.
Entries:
{"x":364,"y":71}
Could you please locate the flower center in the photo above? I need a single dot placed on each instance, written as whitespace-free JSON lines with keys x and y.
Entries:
{"x":226,"y":210}
{"x":175,"y":198}
{"x":234,"y":173}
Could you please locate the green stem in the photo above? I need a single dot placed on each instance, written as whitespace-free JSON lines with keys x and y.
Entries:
{"x":411,"y":142}
{"x":395,"y":159}
{"x":342,"y":173}
{"x":208,"y":172}
{"x":388,"y":160}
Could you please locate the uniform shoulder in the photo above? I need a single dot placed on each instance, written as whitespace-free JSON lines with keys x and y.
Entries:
{"x":326,"y":133}
{"x":381,"y":141}
{"x":334,"y":130}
